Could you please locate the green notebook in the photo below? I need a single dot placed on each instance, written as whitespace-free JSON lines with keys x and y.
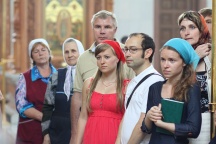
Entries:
{"x":172,"y":113}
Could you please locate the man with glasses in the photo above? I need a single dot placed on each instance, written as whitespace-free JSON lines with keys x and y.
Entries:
{"x":139,"y":49}
{"x":104,"y":26}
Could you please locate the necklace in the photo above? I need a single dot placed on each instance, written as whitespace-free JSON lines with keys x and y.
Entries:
{"x":108,"y":83}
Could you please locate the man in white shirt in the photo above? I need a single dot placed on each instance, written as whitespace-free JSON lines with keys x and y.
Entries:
{"x":139,"y":49}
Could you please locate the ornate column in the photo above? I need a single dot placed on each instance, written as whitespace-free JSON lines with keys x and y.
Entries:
{"x":213,"y":86}
{"x":27,"y":26}
{"x":3,"y":55}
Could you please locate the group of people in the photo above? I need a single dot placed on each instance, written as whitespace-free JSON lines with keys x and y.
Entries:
{"x":111,"y":93}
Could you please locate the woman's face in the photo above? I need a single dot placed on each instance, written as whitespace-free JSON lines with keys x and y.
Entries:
{"x":171,"y":64}
{"x":40,"y":54}
{"x":189,"y":31}
{"x":71,"y":53}
{"x":107,"y":61}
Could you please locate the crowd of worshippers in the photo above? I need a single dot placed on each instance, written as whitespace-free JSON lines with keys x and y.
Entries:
{"x":111,"y":93}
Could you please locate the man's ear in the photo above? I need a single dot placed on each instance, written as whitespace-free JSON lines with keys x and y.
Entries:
{"x":148,"y":52}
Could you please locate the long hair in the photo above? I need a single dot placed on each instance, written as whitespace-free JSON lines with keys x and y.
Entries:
{"x":120,"y":79}
{"x":199,"y":21}
{"x":188,"y":78}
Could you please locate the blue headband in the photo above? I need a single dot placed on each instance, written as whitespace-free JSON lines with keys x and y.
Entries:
{"x":185,"y":50}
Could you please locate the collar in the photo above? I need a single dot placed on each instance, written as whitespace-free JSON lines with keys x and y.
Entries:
{"x":71,"y":67}
{"x":93,"y":46}
{"x":147,"y":71}
{"x":35,"y":74}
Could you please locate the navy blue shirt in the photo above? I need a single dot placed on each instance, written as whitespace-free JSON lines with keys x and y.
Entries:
{"x":191,"y":117}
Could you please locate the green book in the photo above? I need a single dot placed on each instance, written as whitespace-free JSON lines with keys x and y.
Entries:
{"x":172,"y":113}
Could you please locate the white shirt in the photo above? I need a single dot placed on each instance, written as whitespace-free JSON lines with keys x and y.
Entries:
{"x":138,"y":103}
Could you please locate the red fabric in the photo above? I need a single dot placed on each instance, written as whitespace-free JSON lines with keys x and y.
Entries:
{"x":115,"y":45}
{"x":29,"y":131}
{"x":103,"y":122}
{"x":205,"y":33}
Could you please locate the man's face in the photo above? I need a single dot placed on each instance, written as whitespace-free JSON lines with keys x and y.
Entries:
{"x":133,"y":53}
{"x":208,"y":20}
{"x":104,"y":29}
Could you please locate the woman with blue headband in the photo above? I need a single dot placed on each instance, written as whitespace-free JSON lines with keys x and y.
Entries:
{"x":178,"y":64}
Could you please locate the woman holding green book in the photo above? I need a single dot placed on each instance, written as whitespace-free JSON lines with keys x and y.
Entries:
{"x":178,"y":63}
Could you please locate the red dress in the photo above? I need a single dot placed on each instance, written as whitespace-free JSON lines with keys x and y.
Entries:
{"x":103,"y":122}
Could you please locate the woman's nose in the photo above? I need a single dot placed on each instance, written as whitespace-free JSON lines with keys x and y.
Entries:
{"x":165,"y":64}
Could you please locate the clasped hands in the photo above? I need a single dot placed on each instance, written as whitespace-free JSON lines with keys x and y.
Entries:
{"x":155,"y":115}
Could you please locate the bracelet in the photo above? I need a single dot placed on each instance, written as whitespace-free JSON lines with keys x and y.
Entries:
{"x":144,"y":128}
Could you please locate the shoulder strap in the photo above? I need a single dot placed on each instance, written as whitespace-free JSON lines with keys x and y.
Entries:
{"x":142,"y":80}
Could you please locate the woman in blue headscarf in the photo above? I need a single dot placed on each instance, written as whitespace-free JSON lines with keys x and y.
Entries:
{"x":178,"y":62}
{"x":56,"y":124}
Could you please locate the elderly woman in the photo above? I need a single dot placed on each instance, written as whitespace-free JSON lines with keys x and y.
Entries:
{"x":30,"y":93}
{"x":56,"y":125}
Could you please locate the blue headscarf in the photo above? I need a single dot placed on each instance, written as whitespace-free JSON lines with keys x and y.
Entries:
{"x":185,"y":50}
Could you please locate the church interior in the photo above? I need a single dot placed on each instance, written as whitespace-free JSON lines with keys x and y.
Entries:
{"x":55,"y":20}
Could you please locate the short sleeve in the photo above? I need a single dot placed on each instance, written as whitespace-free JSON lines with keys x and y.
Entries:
{"x":78,"y":81}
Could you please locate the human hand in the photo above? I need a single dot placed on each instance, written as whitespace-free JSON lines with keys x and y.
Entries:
{"x":1,"y":96}
{"x":203,"y":50}
{"x":46,"y":139}
{"x":155,"y":114}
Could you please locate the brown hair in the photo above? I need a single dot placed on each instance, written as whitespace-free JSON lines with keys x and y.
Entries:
{"x":205,"y":12}
{"x":199,"y":21}
{"x":120,"y":79}
{"x":186,"y":81}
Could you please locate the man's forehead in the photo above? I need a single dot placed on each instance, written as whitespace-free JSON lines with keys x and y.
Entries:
{"x":107,"y":20}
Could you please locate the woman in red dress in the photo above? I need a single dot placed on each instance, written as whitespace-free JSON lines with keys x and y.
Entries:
{"x":103,"y":98}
